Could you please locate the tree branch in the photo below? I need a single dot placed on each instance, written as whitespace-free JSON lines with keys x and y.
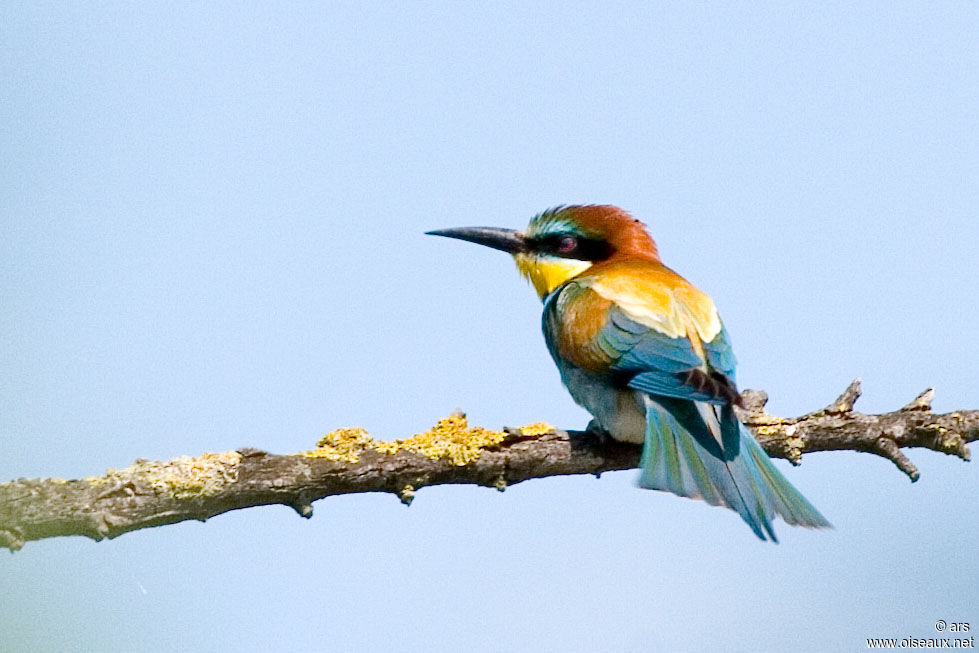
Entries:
{"x":150,"y":493}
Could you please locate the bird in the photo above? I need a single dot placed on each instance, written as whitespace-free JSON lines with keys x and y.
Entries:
{"x":646,"y":354}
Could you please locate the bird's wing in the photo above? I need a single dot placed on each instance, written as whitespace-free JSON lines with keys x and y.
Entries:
{"x":720,"y":354}
{"x":654,"y":333}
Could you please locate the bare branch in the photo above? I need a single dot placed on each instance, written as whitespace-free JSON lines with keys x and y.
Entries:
{"x":150,"y":493}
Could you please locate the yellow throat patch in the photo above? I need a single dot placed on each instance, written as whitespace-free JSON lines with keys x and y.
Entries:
{"x":547,"y":273}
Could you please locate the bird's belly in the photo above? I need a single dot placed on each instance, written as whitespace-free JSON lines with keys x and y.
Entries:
{"x":628,"y":424}
{"x":617,"y":411}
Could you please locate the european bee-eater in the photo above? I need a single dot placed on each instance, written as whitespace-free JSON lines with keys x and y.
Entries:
{"x":645,"y":352}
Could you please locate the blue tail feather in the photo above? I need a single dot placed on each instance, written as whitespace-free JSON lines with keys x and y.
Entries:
{"x":793,"y":507}
{"x":681,"y":456}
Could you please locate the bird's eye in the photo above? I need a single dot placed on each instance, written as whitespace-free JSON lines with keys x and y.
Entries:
{"x":567,"y":244}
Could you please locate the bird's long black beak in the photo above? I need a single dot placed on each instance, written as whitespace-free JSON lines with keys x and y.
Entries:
{"x":507,"y":240}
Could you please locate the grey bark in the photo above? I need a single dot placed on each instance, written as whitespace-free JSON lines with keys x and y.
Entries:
{"x":154,"y":494}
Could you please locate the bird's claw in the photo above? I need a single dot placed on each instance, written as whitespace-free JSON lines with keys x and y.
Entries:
{"x":597,"y":432}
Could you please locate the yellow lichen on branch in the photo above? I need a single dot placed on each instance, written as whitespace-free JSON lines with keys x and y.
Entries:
{"x":184,"y":477}
{"x":342,"y":444}
{"x":451,"y":439}
{"x":536,"y":429}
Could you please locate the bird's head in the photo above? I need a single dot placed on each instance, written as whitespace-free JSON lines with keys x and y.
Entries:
{"x":563,"y":242}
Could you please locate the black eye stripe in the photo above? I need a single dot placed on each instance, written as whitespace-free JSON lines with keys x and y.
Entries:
{"x":584,"y":249}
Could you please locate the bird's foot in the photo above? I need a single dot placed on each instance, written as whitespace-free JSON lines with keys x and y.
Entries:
{"x":596,"y":431}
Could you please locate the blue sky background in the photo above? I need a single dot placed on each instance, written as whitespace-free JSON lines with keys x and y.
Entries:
{"x":212,"y":220}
